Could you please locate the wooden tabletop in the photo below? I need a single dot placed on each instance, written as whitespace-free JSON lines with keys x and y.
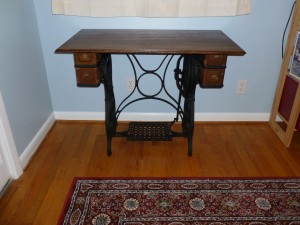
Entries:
{"x":151,"y":42}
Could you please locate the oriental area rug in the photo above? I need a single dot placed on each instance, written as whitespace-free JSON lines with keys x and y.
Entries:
{"x":188,"y":201}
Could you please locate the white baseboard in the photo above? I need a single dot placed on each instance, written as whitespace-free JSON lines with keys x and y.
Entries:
{"x":164,"y":116}
{"x":79,"y":115}
{"x":36,"y":141}
{"x":232,"y":117}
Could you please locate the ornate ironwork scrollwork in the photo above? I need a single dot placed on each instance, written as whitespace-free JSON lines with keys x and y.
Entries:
{"x":154,"y":72}
{"x":186,"y":81}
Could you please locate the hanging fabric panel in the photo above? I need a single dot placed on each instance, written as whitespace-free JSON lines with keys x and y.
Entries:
{"x":151,"y":8}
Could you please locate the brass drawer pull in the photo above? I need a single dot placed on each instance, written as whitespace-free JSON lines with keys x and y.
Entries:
{"x":86,"y":76}
{"x":84,"y":56}
{"x":214,"y":77}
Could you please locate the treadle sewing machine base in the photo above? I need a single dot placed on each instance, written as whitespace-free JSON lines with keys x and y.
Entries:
{"x":202,"y":57}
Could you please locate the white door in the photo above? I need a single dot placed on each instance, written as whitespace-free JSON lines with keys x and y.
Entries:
{"x":10,"y":166}
{"x":4,"y":172}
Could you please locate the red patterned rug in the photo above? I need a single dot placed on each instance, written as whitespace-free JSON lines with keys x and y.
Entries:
{"x":182,"y":201}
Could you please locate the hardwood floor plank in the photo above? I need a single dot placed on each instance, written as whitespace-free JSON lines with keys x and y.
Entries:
{"x":78,"y":149}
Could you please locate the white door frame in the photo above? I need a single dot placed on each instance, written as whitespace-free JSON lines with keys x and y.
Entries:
{"x":9,"y":148}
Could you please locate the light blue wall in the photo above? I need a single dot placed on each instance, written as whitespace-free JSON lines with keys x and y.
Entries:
{"x":23,"y":80}
{"x":259,"y":34}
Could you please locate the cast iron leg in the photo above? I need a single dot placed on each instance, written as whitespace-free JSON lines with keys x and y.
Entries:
{"x":190,"y":146}
{"x":110,"y":106}
{"x":190,"y":77}
{"x":188,"y":122}
{"x":108,"y":143}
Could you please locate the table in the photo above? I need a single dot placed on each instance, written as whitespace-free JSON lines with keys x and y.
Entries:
{"x":202,"y":57}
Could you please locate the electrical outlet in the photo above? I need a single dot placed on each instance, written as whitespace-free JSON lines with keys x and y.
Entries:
{"x":130,"y":83}
{"x":241,"y":87}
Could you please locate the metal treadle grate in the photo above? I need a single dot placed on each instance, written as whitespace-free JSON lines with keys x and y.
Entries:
{"x":149,"y":131}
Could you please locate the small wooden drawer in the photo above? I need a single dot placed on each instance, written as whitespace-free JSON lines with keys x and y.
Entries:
{"x":213,"y":60}
{"x":88,"y":77}
{"x":86,"y":58}
{"x":211,"y":78}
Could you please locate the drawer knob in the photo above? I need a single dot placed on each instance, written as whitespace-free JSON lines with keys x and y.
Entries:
{"x":214,"y":77}
{"x":86,"y":76}
{"x":84,"y":56}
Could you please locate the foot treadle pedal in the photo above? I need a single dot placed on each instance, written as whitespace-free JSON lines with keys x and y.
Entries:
{"x":149,"y":131}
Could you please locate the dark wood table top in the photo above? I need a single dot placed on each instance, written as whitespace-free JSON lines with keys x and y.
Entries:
{"x":151,"y":42}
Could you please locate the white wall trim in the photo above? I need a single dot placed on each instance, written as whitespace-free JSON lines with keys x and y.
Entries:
{"x":9,"y":147}
{"x":79,"y":115}
{"x":233,"y":117}
{"x":164,"y":116}
{"x":36,"y":141}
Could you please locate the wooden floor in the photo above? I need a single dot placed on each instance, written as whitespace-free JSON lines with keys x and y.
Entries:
{"x":79,"y":149}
